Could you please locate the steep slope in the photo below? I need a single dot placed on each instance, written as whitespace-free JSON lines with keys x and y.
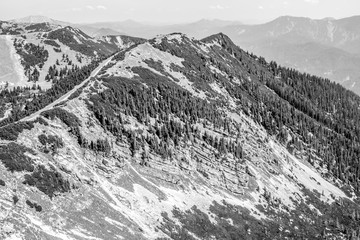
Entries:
{"x":39,"y":55}
{"x":121,"y":41}
{"x":324,"y":47}
{"x":177,"y":138}
{"x":39,"y":50}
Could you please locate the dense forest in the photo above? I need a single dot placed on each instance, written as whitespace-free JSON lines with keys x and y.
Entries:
{"x":129,"y":97}
{"x":315,"y":112}
{"x":33,"y":58}
{"x":80,"y":42}
{"x":26,"y":102}
{"x":176,"y":113}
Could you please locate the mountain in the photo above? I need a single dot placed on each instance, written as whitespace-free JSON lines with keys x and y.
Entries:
{"x":105,"y":32}
{"x":89,"y":30}
{"x":41,"y":53}
{"x":197,"y":29}
{"x":39,"y":19}
{"x":324,"y":47}
{"x":178,"y":138}
{"x":335,"y":33}
{"x":118,"y":25}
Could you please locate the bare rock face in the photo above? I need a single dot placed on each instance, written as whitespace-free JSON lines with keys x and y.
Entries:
{"x":159,"y":145}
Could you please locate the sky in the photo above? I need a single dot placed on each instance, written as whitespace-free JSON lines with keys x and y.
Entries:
{"x":176,"y":11}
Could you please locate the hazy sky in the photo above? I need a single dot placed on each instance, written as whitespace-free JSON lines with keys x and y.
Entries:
{"x":172,"y":11}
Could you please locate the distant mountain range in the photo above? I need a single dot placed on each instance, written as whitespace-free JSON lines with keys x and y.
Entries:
{"x":197,"y":29}
{"x":39,"y":19}
{"x":326,"y":47}
{"x":33,"y":51}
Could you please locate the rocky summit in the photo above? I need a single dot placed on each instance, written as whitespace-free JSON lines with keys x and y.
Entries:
{"x":176,"y":138}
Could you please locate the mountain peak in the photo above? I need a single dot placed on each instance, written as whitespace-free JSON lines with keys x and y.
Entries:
{"x":328,"y":19}
{"x":170,"y":37}
{"x":33,"y":19}
{"x":220,"y":38}
{"x":218,"y":22}
{"x":288,"y":18}
{"x":106,"y":32}
{"x":38,"y":19}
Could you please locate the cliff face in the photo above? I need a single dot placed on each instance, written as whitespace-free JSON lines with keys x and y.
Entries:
{"x":162,"y":144}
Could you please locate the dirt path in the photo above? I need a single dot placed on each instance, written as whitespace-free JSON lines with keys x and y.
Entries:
{"x":68,"y":94}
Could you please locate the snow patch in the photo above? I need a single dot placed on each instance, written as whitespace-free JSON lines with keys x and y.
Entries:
{"x":119,"y":42}
{"x":292,"y":172}
{"x":331,"y":30}
{"x":212,"y":44}
{"x":47,"y":229}
{"x":6,"y":114}
{"x":169,"y":37}
{"x":307,"y":176}
{"x":204,"y":47}
{"x":222,"y":91}
{"x":241,"y":31}
{"x":77,"y":39}
{"x":80,"y":233}
{"x":216,"y":70}
{"x":203,"y":198}
{"x":114,"y":222}
{"x":176,"y":36}
{"x":11,"y":70}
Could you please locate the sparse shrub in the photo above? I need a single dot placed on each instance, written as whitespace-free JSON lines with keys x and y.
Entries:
{"x":29,"y":203}
{"x":47,"y":181}
{"x":37,"y":207}
{"x":39,"y":27}
{"x":15,"y":199}
{"x":12,"y":131}
{"x":51,"y":142}
{"x":2,"y":183}
{"x":101,"y":146}
{"x":66,"y":117}
{"x":42,"y":121}
{"x":52,"y":43}
{"x":13,"y":157}
{"x":33,"y":56}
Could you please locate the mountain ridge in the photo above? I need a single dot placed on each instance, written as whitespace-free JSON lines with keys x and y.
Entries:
{"x":178,"y":138}
{"x":38,"y":19}
{"x":292,"y":32}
